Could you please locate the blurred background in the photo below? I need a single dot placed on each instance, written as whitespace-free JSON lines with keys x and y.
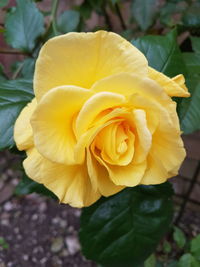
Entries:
{"x":36,"y":230}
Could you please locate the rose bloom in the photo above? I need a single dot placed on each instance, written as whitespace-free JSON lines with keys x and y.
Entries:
{"x":101,"y":119}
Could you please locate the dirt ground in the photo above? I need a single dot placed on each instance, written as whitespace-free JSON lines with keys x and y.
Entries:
{"x":38,"y":232}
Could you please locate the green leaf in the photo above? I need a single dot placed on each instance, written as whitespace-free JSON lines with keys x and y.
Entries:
{"x":28,"y":68}
{"x":195,"y":44}
{"x":167,"y":247}
{"x":187,"y":260}
{"x":162,"y":53}
{"x":14,"y":95}
{"x":151,"y":261}
{"x":24,"y":25}
{"x":179,"y":237}
{"x":195,"y":247}
{"x":188,"y":109}
{"x":68,"y":21}
{"x":3,"y":243}
{"x":191,"y":16}
{"x":124,"y":229}
{"x":144,"y":12}
{"x":192,"y":62}
{"x":172,"y":264}
{"x":3,"y":3}
{"x":27,"y":186}
{"x":168,"y":13}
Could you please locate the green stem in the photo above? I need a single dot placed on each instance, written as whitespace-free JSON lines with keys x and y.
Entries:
{"x":53,"y":15}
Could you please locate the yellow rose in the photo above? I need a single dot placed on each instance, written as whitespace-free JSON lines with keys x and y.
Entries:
{"x":101,"y":119}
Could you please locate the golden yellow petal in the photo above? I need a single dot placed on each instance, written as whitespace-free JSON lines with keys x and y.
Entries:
{"x":100,"y":178}
{"x":71,"y":184}
{"x":144,"y":141}
{"x":82,"y":58}
{"x":52,"y":122}
{"x":93,"y":107}
{"x":23,"y":134}
{"x":155,"y":172}
{"x":129,"y":175}
{"x":173,"y":87}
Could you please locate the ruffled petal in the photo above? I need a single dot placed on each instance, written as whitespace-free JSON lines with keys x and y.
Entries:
{"x":173,"y":87}
{"x":71,"y":184}
{"x":100,"y":178}
{"x":129,"y":175}
{"x":82,"y":58}
{"x":23,"y":134}
{"x":93,"y":107}
{"x":52,"y":122}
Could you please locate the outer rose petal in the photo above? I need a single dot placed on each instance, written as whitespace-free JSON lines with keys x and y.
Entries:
{"x":52,"y":122}
{"x":83,"y":58}
{"x":23,"y":134}
{"x":173,"y":87}
{"x":71,"y":184}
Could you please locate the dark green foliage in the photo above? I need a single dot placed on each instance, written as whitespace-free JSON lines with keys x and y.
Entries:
{"x":24,"y":24}
{"x":14,"y":95}
{"x":124,"y":229}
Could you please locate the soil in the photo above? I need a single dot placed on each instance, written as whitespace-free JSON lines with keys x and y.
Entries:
{"x":37,"y":231}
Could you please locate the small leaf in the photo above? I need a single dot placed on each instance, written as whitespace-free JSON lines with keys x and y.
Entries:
{"x":4,"y":3}
{"x":14,"y":95}
{"x":144,"y":12}
{"x":3,"y":243}
{"x":166,"y":247}
{"x":24,"y":25}
{"x":187,"y":260}
{"x":162,"y":53}
{"x":151,"y":261}
{"x":125,"y":228}
{"x":195,"y":247}
{"x":28,"y":186}
{"x":196,"y":44}
{"x":179,"y":237}
{"x":188,"y":109}
{"x":68,"y":21}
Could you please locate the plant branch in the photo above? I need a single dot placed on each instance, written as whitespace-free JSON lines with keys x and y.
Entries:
{"x":53,"y":15}
{"x":119,"y":14}
{"x":14,"y":52}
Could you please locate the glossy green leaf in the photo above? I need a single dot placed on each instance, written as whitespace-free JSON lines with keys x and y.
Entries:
{"x":24,"y":25}
{"x":192,"y":61}
{"x":187,"y":260}
{"x":3,"y":3}
{"x":28,"y":186}
{"x":14,"y":95}
{"x":162,"y":53}
{"x":124,"y":229}
{"x":179,"y":237}
{"x":195,"y":247}
{"x":144,"y":12}
{"x":195,"y":44}
{"x":188,"y":110}
{"x":68,"y":21}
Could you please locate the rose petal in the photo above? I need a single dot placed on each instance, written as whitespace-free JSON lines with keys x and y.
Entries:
{"x":83,"y":58}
